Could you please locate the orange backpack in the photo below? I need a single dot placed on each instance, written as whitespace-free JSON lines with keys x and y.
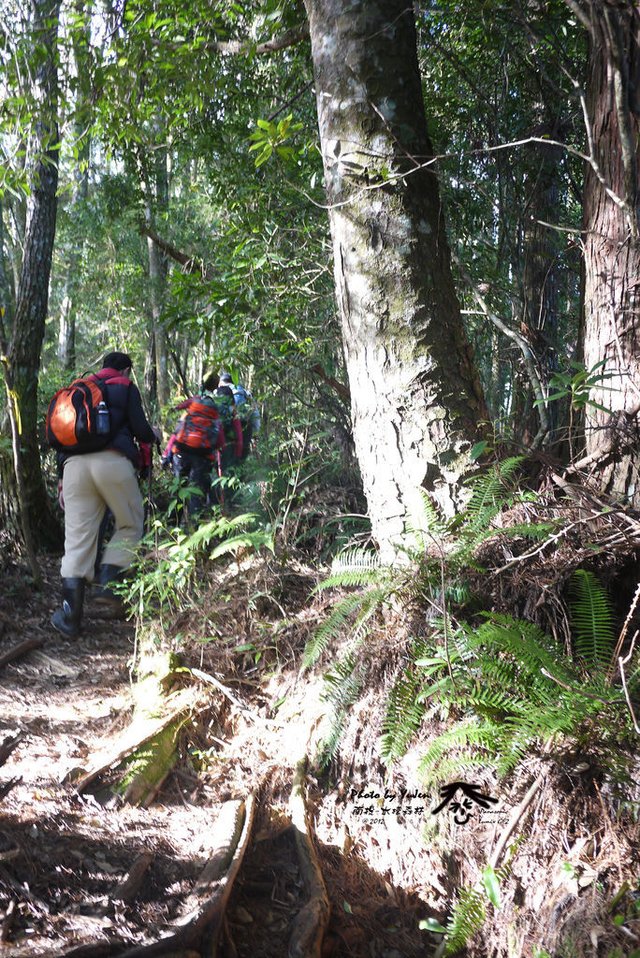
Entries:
{"x":199,"y":429}
{"x":78,"y":417}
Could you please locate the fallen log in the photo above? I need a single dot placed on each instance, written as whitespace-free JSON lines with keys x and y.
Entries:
{"x":311,"y":921}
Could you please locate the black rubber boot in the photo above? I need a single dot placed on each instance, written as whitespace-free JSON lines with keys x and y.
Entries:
{"x":67,"y":619}
{"x":105,"y":597}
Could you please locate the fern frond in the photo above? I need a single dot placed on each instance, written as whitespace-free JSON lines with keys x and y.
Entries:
{"x":435,"y":526}
{"x":491,"y":489}
{"x":467,"y":918}
{"x":405,"y":709}
{"x":331,"y":628}
{"x":591,"y":618}
{"x":354,"y":567}
{"x":343,"y":684}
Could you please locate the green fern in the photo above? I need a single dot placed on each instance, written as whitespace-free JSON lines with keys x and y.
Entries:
{"x":353,"y":611}
{"x":405,"y":710}
{"x":470,"y":911}
{"x":591,"y":619}
{"x":515,"y":690}
{"x":332,"y":628}
{"x":467,"y":918}
{"x":343,"y":683}
{"x":357,"y":567}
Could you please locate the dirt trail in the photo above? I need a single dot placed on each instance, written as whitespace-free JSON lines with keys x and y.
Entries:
{"x":65,"y":855}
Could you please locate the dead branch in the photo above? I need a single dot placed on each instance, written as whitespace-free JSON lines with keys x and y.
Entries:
{"x":21,"y":649}
{"x":623,"y":634}
{"x":335,"y":384}
{"x":211,"y":680}
{"x":311,"y":922}
{"x":191,"y":264}
{"x":516,"y":815}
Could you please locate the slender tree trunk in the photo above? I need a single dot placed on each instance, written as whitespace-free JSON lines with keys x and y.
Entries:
{"x":33,"y":290}
{"x":541,"y":248}
{"x":612,"y":245}
{"x":416,"y":401}
{"x":156,"y":189}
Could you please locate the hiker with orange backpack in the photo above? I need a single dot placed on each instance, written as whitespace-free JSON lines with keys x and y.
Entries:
{"x":93,"y":425}
{"x":195,"y":446}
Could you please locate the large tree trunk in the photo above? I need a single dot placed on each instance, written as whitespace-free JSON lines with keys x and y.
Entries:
{"x":33,"y":289}
{"x":611,"y":244}
{"x":416,"y":401}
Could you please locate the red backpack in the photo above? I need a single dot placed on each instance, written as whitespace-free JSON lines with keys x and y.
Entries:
{"x":199,"y":429}
{"x":78,"y":418}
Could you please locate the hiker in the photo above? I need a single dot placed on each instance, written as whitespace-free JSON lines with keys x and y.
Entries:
{"x":233,"y":448}
{"x":197,"y":442}
{"x":96,"y":481}
{"x":247,"y":410}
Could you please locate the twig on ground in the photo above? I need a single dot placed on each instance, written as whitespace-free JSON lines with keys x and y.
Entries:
{"x":516,"y":815}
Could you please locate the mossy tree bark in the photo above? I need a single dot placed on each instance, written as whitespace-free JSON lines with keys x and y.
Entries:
{"x":612,"y":242}
{"x":415,"y":398}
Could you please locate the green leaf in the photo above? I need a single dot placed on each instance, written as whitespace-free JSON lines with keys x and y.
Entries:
{"x":478,"y":449}
{"x":432,"y":924}
{"x":491,"y":885}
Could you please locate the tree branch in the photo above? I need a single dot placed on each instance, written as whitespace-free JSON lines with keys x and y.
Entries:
{"x":191,"y":264}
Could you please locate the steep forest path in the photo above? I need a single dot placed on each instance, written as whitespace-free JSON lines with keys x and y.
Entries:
{"x":220,"y":862}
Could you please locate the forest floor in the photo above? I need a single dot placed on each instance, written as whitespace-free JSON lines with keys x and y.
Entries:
{"x":64,"y":854}
{"x":388,"y":864}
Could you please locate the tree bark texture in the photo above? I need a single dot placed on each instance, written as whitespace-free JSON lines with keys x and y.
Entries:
{"x":33,"y":290}
{"x":415,"y":398}
{"x":612,"y":244}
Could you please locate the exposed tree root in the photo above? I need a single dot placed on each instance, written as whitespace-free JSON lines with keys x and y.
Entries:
{"x":21,"y":649}
{"x":128,"y":889}
{"x":311,"y":922}
{"x":8,"y":745}
{"x":135,"y":736}
{"x":211,"y":893}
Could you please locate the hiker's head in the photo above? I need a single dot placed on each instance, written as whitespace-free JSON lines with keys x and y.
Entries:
{"x":210,"y":382}
{"x":225,"y":379}
{"x":225,"y":390}
{"x":118,"y":361}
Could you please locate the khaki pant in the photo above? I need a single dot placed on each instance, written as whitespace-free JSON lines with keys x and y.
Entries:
{"x":91,"y":483}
